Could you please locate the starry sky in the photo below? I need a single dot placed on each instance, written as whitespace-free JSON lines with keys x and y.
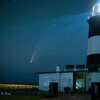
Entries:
{"x":38,"y":35}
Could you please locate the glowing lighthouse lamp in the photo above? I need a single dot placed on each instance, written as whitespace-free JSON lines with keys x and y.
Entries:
{"x":96,"y":8}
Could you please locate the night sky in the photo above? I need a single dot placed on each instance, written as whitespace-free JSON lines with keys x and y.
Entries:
{"x":38,"y":35}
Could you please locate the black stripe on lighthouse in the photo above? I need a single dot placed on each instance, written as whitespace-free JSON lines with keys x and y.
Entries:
{"x":93,"y":59}
{"x":94,"y":26}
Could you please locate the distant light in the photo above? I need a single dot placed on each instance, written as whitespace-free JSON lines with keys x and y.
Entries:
{"x":88,"y":17}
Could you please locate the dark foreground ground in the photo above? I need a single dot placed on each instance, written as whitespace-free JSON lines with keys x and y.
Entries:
{"x":72,"y":97}
{"x":60,"y":97}
{"x":17,"y":97}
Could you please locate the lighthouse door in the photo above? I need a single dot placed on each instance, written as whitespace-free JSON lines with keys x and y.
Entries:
{"x":80,"y":84}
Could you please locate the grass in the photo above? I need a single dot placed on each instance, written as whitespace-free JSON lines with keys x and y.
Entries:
{"x":14,"y":97}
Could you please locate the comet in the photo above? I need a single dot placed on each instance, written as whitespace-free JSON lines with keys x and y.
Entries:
{"x":32,"y":59}
{"x":33,"y":56}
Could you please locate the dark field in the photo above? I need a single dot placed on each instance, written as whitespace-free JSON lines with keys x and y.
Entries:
{"x":13,"y":97}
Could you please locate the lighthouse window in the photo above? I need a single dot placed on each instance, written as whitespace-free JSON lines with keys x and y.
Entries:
{"x":98,"y":65}
{"x":46,"y":83}
{"x":69,"y":66}
{"x":80,"y":66}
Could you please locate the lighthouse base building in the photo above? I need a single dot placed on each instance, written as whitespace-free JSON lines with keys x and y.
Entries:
{"x":77,"y":79}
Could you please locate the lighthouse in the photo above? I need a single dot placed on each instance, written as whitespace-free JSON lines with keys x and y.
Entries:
{"x":93,"y":53}
{"x":76,"y":77}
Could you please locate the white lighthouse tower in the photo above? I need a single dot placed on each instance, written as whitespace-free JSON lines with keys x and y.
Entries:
{"x":93,"y":53}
